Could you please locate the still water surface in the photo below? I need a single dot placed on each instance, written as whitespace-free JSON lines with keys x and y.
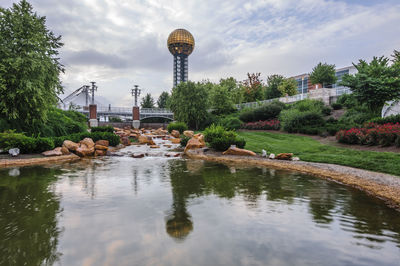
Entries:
{"x":156,"y":211}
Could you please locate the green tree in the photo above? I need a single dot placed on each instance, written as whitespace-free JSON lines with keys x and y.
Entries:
{"x":253,"y":87}
{"x":220,"y":99}
{"x":323,"y":74}
{"x":147,"y":101}
{"x":163,"y":100}
{"x":29,"y":67}
{"x":375,"y":83}
{"x":288,"y":87}
{"x":189,"y":102}
{"x":234,"y":88}
{"x":273,"y":83}
{"x":396,"y":56}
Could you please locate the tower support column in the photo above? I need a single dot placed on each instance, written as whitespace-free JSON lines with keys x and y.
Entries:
{"x":136,"y":117}
{"x":93,"y":122}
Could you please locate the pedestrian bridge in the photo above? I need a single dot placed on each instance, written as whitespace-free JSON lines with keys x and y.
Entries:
{"x":108,"y":111}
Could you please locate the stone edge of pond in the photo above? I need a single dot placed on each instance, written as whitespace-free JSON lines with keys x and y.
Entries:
{"x":381,"y":189}
{"x":5,"y":163}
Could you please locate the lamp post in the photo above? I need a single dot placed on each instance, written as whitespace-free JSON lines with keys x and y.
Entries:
{"x":135,"y":93}
{"x":94,"y":88}
{"x":93,"y":122}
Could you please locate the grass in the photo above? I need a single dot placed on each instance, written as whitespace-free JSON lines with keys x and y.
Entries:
{"x":312,"y":151}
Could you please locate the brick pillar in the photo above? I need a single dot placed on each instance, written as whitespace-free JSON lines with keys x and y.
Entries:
{"x":135,"y":113}
{"x":135,"y":117}
{"x":93,"y":115}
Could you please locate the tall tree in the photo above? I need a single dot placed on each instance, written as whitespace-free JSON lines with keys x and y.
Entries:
{"x":288,"y":87}
{"x":253,"y":87}
{"x":221,"y":102}
{"x":234,"y":89}
{"x":375,"y":83}
{"x":163,"y":100}
{"x":323,"y":74}
{"x":29,"y":66}
{"x":396,"y":57}
{"x":189,"y":102}
{"x":273,"y":83}
{"x":147,"y":101}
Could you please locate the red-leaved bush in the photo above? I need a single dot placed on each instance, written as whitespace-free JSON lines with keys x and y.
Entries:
{"x":273,"y":124}
{"x":371,"y":134}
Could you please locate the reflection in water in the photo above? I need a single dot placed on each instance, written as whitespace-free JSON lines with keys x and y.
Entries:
{"x":113,"y":211}
{"x":28,"y":217}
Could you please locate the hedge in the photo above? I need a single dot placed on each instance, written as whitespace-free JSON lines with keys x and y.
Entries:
{"x":103,"y":129}
{"x":180,"y":126}
{"x":220,"y":139}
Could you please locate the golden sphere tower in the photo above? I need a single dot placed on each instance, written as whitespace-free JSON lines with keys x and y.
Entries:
{"x":180,"y":44}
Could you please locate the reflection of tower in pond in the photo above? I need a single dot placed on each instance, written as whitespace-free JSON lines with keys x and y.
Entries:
{"x":179,"y":222}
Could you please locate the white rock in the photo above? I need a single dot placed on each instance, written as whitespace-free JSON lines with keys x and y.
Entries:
{"x":264,"y":153}
{"x":272,"y":156}
{"x":295,"y":159}
{"x":14,"y":152}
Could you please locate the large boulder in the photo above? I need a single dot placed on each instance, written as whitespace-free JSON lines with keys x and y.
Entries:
{"x":70,"y":145}
{"x":175,"y":140}
{"x":56,"y":152}
{"x":65,"y":150}
{"x":88,"y":142}
{"x":103,"y":142}
{"x":194,"y":143}
{"x":144,"y":139}
{"x":100,"y":153}
{"x":200,"y":137}
{"x":125,"y":141}
{"x":188,"y":133}
{"x":175,"y":133}
{"x":237,"y":151}
{"x":85,"y":149}
{"x":100,"y":147}
{"x":284,"y":156}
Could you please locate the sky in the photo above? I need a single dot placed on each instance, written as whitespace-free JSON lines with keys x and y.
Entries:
{"x":119,"y":43}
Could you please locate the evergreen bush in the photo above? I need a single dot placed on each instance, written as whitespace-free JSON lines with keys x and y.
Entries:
{"x":220,"y":139}
{"x":180,"y":126}
{"x":103,"y":129}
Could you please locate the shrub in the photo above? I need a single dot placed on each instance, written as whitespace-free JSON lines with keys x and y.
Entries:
{"x":372,"y":134}
{"x":326,"y":110}
{"x":292,"y":120}
{"x":114,"y":119}
{"x":184,"y":140}
{"x":220,"y":139}
{"x":43,"y":144}
{"x":337,"y":106}
{"x":384,"y":120}
{"x":347,"y":100}
{"x":231,"y":123}
{"x":397,"y":142}
{"x":262,"y":125}
{"x":103,"y":129}
{"x":265,"y":112}
{"x":309,"y":105}
{"x":10,"y":139}
{"x":180,"y":126}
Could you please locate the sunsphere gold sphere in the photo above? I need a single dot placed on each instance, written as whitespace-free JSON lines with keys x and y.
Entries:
{"x":180,"y":41}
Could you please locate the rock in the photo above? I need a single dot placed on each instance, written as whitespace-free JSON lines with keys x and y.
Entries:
{"x":172,"y":154}
{"x":138,"y":155}
{"x":84,"y":151}
{"x":295,"y":159}
{"x":284,"y":156}
{"x":56,"y":152}
{"x":271,"y":156}
{"x":188,"y":133}
{"x":167,"y":145}
{"x":88,"y":142}
{"x":151,"y":142}
{"x":65,"y":150}
{"x":194,"y":143}
{"x":125,"y":141}
{"x":264,"y":153}
{"x":100,"y":153}
{"x":14,"y":152}
{"x":237,"y":151}
{"x":100,"y":147}
{"x":175,"y":133}
{"x":154,"y":147}
{"x":144,"y":139}
{"x":103,"y":142}
{"x":70,"y":145}
{"x":200,"y":137}
{"x":175,"y":141}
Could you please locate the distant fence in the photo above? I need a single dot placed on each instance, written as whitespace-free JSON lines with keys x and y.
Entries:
{"x":129,"y":124}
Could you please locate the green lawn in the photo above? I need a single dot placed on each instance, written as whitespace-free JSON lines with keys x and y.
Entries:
{"x":312,"y":151}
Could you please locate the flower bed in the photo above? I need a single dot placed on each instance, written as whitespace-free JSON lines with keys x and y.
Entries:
{"x":273,"y":124}
{"x":371,"y":134}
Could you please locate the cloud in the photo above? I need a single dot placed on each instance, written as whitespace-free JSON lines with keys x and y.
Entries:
{"x":121,"y":43}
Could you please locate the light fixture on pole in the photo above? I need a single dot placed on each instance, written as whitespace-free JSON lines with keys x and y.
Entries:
{"x":135,"y":93}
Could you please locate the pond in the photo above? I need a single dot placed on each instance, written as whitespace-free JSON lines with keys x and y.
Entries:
{"x":161,"y":211}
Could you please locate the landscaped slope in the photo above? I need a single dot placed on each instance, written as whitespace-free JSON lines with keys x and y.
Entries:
{"x":313,"y":151}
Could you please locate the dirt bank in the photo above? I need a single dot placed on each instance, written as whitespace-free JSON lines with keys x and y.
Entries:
{"x":383,"y":186}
